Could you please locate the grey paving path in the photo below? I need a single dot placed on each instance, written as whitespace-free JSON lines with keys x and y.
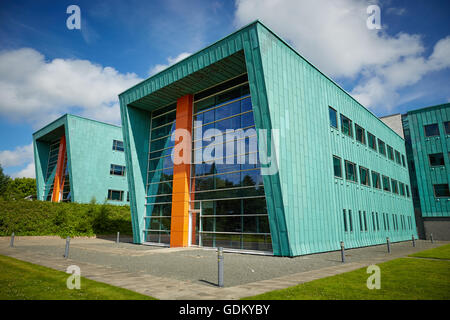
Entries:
{"x":191,"y":273}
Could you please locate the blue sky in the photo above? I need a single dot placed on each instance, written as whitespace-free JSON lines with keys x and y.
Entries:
{"x":47,"y":70}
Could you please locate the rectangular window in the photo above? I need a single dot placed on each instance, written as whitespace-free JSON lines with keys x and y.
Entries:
{"x":345,"y":221}
{"x":384,"y":221}
{"x":390,"y":152}
{"x":403,"y":161}
{"x":360,"y":134}
{"x":378,"y":222}
{"x":386,"y":186}
{"x":337,"y":166}
{"x":346,"y":126}
{"x":128,"y":196}
{"x":333,"y":117}
{"x":360,"y":221}
{"x":387,"y":221}
{"x":373,"y":222}
{"x":381,"y":147}
{"x":394,"y":186}
{"x":441,"y":190}
{"x":117,"y":170}
{"x":372,"y":141}
{"x":397,"y":157}
{"x":350,"y":171}
{"x":364,"y":176}
{"x":447,"y":127}
{"x":365,"y":221}
{"x":376,"y":180}
{"x":407,"y":190}
{"x":350,"y":220}
{"x":431,"y":130}
{"x":401,"y":188}
{"x":436,"y":159}
{"x":117,"y":145}
{"x":115,"y":195}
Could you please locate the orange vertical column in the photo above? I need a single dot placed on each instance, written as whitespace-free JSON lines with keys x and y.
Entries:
{"x":59,"y":175}
{"x":179,"y":230}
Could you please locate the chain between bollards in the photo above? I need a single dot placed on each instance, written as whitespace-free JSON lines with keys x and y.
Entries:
{"x":431,"y":238}
{"x":388,"y":245}
{"x":413,"y":241}
{"x":11,"y":244}
{"x":220,"y":266}
{"x":342,"y":252}
{"x":66,"y":252}
{"x":118,"y":238}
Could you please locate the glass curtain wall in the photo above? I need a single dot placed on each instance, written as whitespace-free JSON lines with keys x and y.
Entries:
{"x":160,"y":176}
{"x":229,"y":195}
{"x":51,"y":167}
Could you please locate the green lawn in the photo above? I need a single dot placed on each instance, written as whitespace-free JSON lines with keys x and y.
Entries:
{"x":405,"y":278}
{"x":21,"y":280}
{"x":442,"y":252}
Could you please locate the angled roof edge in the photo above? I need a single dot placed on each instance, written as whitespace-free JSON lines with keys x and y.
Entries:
{"x":67,"y":115}
{"x":437,"y":106}
{"x":181,"y":61}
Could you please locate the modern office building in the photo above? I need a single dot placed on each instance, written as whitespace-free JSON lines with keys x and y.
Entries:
{"x":341,"y":173}
{"x":427,"y":136}
{"x":79,"y":160}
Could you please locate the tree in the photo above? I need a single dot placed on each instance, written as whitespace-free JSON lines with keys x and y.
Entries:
{"x":20,"y":188}
{"x":4,"y":181}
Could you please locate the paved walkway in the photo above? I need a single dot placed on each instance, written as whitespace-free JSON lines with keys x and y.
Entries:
{"x":126,"y":265}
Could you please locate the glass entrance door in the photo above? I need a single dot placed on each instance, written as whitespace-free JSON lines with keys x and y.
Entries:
{"x":193,"y":234}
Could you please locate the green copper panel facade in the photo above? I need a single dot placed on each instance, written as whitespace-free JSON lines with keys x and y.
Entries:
{"x":90,"y":155}
{"x":422,"y":147}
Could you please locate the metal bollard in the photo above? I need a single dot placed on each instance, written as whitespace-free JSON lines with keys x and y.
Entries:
{"x":66,"y":253}
{"x":118,"y":238}
{"x":388,"y":245}
{"x":11,"y":244}
{"x":220,"y":265}
{"x":413,"y":241}
{"x":431,"y":237}
{"x":342,"y":252}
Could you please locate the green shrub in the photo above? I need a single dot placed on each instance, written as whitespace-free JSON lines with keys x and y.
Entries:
{"x":63,"y":219}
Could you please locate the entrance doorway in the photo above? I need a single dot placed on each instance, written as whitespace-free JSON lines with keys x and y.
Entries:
{"x":193,"y":232}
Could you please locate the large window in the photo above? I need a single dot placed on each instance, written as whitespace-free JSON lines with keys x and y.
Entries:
{"x":333,"y":117}
{"x":346,"y":126}
{"x":397,"y":157}
{"x":337,"y":166}
{"x":360,"y":134}
{"x":115,"y":195}
{"x":376,"y":180}
{"x":401,"y":188}
{"x":372,"y":140}
{"x":403,"y":161}
{"x":364,"y":176}
{"x":386,"y":185}
{"x":431,"y":130}
{"x":350,"y":171}
{"x":117,"y":145}
{"x":441,"y":190}
{"x":228,"y":191}
{"x":436,"y":159}
{"x":117,"y":170}
{"x":381,"y":147}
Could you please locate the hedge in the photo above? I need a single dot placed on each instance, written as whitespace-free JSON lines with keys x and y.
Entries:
{"x":39,"y":218}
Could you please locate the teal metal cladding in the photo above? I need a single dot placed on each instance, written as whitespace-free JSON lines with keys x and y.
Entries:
{"x":90,"y":155}
{"x":305,"y":202}
{"x":421,"y":147}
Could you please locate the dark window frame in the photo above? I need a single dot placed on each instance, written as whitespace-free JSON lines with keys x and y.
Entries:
{"x":110,"y":193}
{"x":350,"y":126}
{"x":374,"y":141}
{"x":112,"y":170}
{"x":361,"y":168}
{"x":390,"y":152}
{"x":436,"y":165}
{"x":340,"y":166}
{"x":355,"y":171}
{"x":428,"y":126}
{"x":379,"y":180}
{"x":441,"y":184}
{"x":363,"y":134}
{"x":384,"y":152}
{"x":446,"y":125}
{"x":336,"y":117}
{"x":116,"y":144}
{"x":389,"y":183}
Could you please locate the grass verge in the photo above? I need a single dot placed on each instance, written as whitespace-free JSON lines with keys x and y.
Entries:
{"x":401,"y":279}
{"x":442,"y":252}
{"x":20,"y":280}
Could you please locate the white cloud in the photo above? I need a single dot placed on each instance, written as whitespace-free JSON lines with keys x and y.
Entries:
{"x":17,"y":157}
{"x":22,"y":155}
{"x":170,"y":61}
{"x":334,"y":37}
{"x":36,"y":90}
{"x":27,"y":172}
